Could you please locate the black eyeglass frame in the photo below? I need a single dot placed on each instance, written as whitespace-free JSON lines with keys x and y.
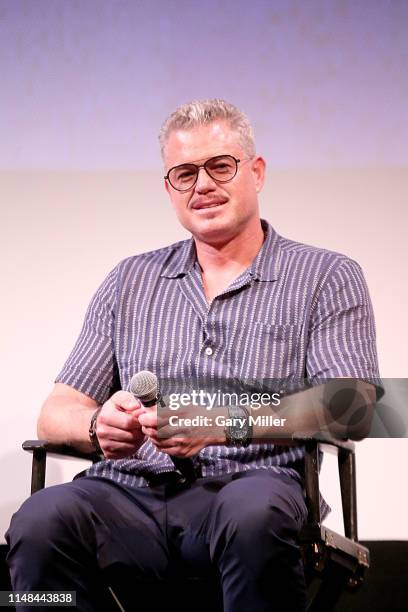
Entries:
{"x":204,"y":165}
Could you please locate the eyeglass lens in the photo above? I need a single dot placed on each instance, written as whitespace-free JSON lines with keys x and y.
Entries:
{"x":221,"y":168}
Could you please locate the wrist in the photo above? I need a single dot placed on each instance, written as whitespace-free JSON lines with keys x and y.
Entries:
{"x":92,"y":431}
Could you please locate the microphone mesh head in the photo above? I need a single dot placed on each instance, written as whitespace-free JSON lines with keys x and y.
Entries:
{"x":144,"y":385}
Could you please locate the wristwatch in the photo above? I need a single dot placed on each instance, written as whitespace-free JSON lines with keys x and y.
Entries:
{"x":92,"y":431}
{"x":239,"y":432}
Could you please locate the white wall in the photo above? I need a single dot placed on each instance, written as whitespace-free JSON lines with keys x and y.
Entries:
{"x":61,"y":233}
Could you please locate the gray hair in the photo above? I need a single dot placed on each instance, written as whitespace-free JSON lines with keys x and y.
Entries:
{"x":204,"y":112}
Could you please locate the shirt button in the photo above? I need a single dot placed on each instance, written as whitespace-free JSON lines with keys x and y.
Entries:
{"x":209,"y":351}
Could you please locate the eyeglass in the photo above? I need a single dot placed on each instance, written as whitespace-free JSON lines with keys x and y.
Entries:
{"x":221,"y":168}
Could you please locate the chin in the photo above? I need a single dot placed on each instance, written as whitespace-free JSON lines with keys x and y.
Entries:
{"x":212,"y":230}
{"x":212,"y":237}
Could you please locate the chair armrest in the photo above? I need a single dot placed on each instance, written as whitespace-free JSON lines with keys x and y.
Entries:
{"x":40,"y":448}
{"x":59,"y":449}
{"x":323,"y":438}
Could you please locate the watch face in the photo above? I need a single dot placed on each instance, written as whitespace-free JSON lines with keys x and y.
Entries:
{"x":238,"y":433}
{"x":239,"y":430}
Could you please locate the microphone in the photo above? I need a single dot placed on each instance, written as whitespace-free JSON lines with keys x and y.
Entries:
{"x":145,"y":387}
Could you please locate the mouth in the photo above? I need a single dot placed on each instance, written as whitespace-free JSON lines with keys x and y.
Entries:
{"x":207,"y":205}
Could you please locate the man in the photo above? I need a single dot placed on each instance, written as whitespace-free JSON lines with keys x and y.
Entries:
{"x":236,"y":302}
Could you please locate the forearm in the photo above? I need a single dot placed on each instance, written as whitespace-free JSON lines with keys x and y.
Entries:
{"x":66,"y":420}
{"x":342,"y":408}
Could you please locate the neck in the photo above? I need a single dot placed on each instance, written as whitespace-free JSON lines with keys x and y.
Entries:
{"x":236,"y":254}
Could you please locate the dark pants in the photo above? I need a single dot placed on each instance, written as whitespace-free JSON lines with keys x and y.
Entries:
{"x":243,"y":527}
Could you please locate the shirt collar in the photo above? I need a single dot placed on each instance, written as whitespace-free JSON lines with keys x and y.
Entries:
{"x":265,"y":266}
{"x":181,"y":260}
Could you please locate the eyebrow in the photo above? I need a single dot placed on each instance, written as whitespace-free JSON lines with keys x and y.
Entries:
{"x":203,"y":159}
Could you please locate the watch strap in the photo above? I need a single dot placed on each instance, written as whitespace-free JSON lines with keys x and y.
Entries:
{"x":92,"y":431}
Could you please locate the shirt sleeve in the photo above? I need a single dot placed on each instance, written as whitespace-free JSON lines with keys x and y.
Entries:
{"x":92,"y":367}
{"x":342,"y":336}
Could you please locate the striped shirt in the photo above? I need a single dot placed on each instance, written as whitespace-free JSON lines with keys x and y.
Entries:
{"x":298,"y":312}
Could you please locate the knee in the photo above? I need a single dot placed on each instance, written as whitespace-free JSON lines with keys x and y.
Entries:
{"x":243,"y":517}
{"x":258,"y":520}
{"x":255,"y":508}
{"x":45,"y":515}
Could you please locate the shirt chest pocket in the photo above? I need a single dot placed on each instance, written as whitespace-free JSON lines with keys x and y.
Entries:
{"x":271,"y":351}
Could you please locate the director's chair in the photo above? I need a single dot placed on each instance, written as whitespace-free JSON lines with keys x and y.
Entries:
{"x":332,"y":562}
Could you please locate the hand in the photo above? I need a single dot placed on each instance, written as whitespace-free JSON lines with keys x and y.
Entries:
{"x":179,"y":439}
{"x":117,"y":427}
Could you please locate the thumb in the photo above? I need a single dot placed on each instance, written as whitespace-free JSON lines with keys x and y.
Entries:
{"x":125,"y":401}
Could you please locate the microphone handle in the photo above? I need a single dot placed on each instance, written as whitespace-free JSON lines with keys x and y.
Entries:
{"x":184,"y":465}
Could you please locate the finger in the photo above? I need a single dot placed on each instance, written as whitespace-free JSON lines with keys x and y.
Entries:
{"x":176,"y":451}
{"x":180,"y":443}
{"x":148,"y":419}
{"x":123,"y":400}
{"x":118,"y":451}
{"x":111,"y":417}
{"x":107,"y":433}
{"x":171,"y":432}
{"x":150,"y":431}
{"x":169,"y":449}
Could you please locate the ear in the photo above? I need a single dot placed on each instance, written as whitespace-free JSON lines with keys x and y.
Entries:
{"x":166,"y":186}
{"x":258,"y":171}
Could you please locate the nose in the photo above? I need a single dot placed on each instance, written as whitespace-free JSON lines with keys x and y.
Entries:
{"x":204,"y":181}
